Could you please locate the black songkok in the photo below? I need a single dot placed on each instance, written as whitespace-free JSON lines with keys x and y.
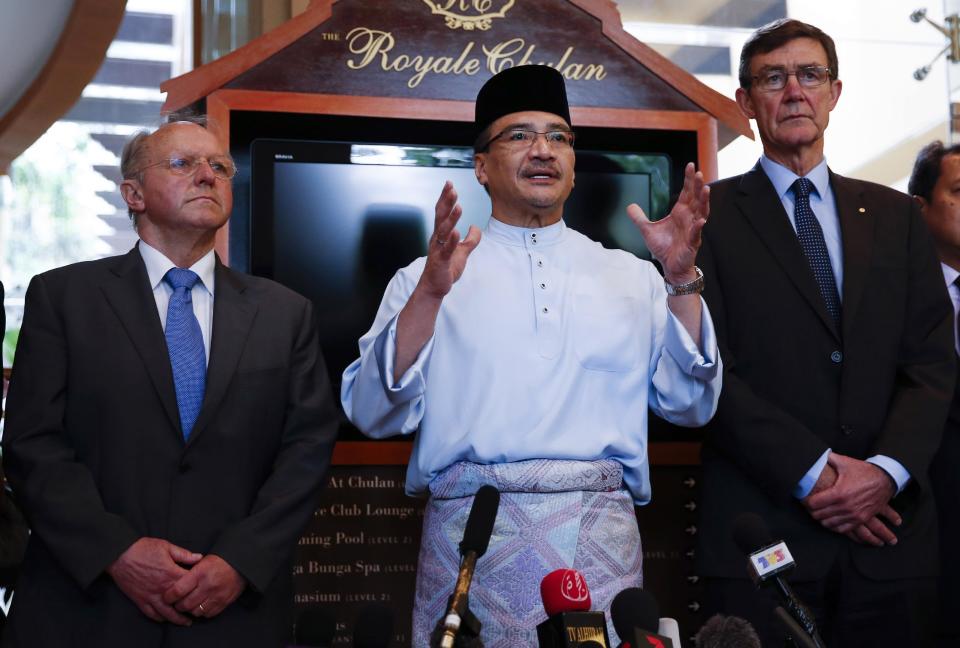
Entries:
{"x":521,"y":88}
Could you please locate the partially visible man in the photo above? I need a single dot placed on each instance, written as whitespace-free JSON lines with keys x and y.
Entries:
{"x":835,"y":334}
{"x":935,"y":183}
{"x":169,"y":425}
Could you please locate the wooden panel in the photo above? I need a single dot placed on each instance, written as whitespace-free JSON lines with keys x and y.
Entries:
{"x":403,"y":50}
{"x":73,"y":63}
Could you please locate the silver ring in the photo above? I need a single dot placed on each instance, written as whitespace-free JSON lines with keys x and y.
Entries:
{"x":201,"y":607}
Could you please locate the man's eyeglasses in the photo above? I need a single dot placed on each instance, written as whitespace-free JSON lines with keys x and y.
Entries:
{"x":523,"y":138}
{"x":222,"y":167}
{"x":775,"y":78}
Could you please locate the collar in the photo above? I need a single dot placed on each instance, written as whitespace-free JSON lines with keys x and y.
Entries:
{"x":158,"y":265}
{"x":783,"y":178}
{"x":519,"y":236}
{"x":949,"y":274}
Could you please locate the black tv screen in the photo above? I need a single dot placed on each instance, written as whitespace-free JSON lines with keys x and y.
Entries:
{"x":335,"y":220}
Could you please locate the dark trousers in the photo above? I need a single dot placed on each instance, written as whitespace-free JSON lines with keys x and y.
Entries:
{"x":851,"y":611}
{"x":945,"y":475}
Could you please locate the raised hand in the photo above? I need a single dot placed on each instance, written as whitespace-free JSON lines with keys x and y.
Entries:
{"x":146,"y":570}
{"x":446,"y":259}
{"x":447,"y":254}
{"x":675,"y":239}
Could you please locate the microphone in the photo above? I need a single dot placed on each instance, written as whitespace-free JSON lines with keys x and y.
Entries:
{"x":727,"y":632}
{"x":570,"y":623}
{"x":314,"y":628}
{"x":564,"y":590}
{"x":374,"y":626}
{"x":768,"y":560}
{"x":636,"y":618}
{"x":476,"y":537}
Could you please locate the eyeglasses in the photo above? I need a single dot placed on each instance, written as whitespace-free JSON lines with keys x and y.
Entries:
{"x":222,"y":167}
{"x":775,"y":78}
{"x":523,"y":138}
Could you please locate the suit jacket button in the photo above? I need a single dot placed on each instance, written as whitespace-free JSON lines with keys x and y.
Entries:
{"x":837,"y":357}
{"x":183,"y":467}
{"x":846,"y":429}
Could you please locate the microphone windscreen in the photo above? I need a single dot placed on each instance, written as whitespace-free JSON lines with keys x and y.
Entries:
{"x":483,"y":513}
{"x":727,"y":632}
{"x":634,"y":608}
{"x":564,"y":590}
{"x":315,"y":626}
{"x":750,"y":533}
{"x":374,"y":626}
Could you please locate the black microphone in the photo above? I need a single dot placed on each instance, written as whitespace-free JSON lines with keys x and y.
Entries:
{"x":727,"y":632}
{"x":314,"y":628}
{"x":570,"y":622}
{"x":476,"y":537}
{"x":768,"y":560}
{"x":636,"y":618}
{"x":374,"y":626}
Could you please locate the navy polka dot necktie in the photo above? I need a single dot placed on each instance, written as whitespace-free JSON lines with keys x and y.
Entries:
{"x":188,"y":359}
{"x":811,"y":240}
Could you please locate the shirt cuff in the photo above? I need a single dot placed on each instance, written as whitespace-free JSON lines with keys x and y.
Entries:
{"x":701,"y":364}
{"x":413,"y":380}
{"x":892,"y":467}
{"x":809,"y":480}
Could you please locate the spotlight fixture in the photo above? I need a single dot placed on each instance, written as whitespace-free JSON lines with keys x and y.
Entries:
{"x":951,"y":29}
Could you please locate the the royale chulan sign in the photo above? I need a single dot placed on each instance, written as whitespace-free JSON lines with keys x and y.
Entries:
{"x":377,"y":47}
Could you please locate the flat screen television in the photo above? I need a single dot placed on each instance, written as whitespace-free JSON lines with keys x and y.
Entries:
{"x":335,"y":220}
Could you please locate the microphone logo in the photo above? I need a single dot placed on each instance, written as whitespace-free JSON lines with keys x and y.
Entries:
{"x":573,"y":588}
{"x":772,"y":559}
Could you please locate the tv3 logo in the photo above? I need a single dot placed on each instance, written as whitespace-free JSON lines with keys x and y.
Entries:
{"x":772,"y":558}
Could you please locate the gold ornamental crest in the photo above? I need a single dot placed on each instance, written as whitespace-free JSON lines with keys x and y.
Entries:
{"x":469,"y":14}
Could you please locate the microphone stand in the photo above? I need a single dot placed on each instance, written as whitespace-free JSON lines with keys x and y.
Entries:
{"x":797,"y":636}
{"x":468,"y":634}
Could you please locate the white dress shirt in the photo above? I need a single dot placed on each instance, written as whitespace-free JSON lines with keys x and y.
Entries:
{"x":549,"y":346}
{"x":950,"y":276}
{"x":201,"y":294}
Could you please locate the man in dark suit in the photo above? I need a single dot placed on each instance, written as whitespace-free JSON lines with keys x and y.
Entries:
{"x":934,"y":183}
{"x":169,"y":426}
{"x":835,"y":335}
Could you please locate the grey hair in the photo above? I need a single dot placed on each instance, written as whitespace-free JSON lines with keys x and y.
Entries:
{"x":131,"y":158}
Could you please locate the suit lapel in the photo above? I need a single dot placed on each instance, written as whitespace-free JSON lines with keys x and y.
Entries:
{"x":760,"y":205}
{"x":130,"y":296}
{"x":857,"y":230}
{"x":233,"y":315}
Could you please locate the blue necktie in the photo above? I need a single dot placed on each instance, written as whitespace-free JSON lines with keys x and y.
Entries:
{"x":811,"y":239}
{"x":185,"y":345}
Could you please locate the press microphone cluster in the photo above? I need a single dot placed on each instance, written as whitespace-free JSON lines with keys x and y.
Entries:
{"x":476,"y":538}
{"x":570,"y":623}
{"x":769,"y":560}
{"x":636,"y":618}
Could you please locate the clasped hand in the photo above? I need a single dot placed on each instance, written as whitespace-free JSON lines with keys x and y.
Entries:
{"x":167,"y":582}
{"x":852,"y":497}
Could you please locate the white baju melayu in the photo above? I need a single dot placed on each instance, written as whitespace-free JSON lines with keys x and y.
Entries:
{"x":549,"y":346}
